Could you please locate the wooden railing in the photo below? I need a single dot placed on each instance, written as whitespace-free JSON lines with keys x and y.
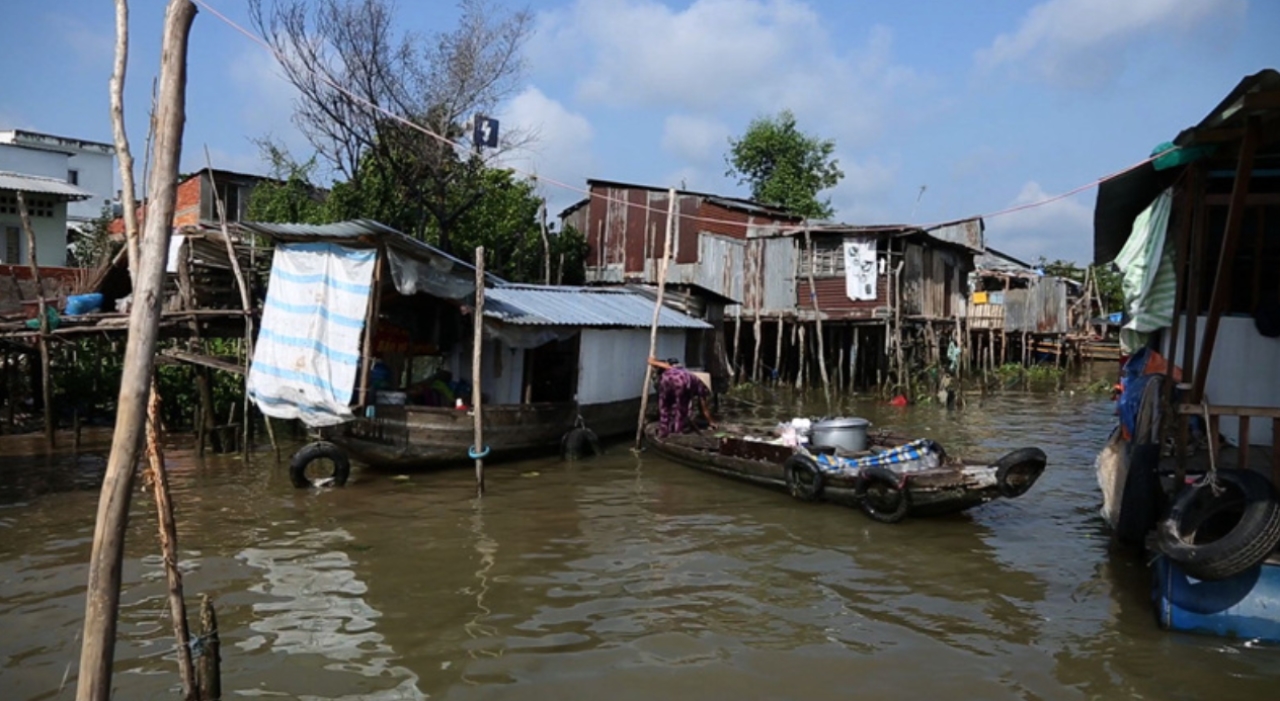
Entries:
{"x":1244,"y":413}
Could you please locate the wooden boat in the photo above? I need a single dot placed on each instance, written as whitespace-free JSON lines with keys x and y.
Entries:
{"x":883,"y":493}
{"x":404,"y":437}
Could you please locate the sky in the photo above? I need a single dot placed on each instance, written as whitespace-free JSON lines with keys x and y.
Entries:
{"x":939,"y":109}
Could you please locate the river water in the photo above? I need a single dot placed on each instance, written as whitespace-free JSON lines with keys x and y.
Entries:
{"x":623,"y":577}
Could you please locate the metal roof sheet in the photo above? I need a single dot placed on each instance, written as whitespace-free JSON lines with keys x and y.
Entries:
{"x":42,"y":185}
{"x":352,"y":231}
{"x":534,"y":305}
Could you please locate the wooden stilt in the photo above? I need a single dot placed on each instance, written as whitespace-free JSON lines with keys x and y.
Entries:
{"x":800,"y":374}
{"x":210,"y":671}
{"x":46,"y":381}
{"x":817,"y":321}
{"x":755,"y":361}
{"x":159,"y":479}
{"x":777,"y":352}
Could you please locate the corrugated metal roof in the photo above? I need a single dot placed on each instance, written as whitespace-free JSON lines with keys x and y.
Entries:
{"x":352,"y":231}
{"x":538,"y":305}
{"x":41,"y":185}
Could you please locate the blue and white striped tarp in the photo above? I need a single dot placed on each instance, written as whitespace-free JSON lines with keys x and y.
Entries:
{"x":920,"y":454}
{"x":308,"y":351}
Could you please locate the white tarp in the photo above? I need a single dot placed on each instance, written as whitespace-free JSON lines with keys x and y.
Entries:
{"x":308,"y":351}
{"x":860,"y":268}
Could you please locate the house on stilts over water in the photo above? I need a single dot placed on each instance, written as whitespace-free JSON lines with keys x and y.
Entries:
{"x":790,"y":301}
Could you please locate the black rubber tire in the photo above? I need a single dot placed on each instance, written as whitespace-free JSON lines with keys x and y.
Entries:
{"x":320,"y":450}
{"x":1018,"y":471}
{"x":804,"y":479}
{"x":1247,"y":509}
{"x":579,"y":443}
{"x":1140,"y":498}
{"x":891,"y":510}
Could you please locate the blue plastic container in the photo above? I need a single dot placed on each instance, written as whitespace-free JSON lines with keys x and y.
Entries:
{"x":84,"y":304}
{"x":1244,"y":606}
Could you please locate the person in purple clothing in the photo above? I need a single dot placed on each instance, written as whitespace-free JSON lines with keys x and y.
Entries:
{"x":677,"y":389}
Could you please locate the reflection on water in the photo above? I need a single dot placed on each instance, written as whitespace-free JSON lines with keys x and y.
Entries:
{"x":623,"y":577}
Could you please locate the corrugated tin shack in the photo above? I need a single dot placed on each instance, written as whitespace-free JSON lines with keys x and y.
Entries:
{"x":1016,"y":310}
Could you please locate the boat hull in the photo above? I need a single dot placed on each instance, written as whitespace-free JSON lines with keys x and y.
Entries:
{"x":944,"y":490}
{"x":415,"y":437}
{"x":1244,"y":606}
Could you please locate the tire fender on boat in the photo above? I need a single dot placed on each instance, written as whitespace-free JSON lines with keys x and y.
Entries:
{"x":579,"y":443}
{"x":319,"y":450}
{"x":1218,"y":533}
{"x":1016,"y":472}
{"x":804,"y":479}
{"x":892,"y":509}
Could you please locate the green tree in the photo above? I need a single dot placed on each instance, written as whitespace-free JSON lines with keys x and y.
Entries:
{"x":784,"y":166}
{"x":92,"y":246}
{"x":290,"y":197}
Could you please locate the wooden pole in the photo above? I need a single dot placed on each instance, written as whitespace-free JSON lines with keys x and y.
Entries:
{"x":370,"y":325}
{"x":159,"y":479}
{"x":817,"y":319}
{"x":803,"y":359}
{"x":127,"y":196}
{"x":1226,"y":260}
{"x":777,"y":351}
{"x":546,"y":245}
{"x":477,"y":344}
{"x":657,"y":312}
{"x":102,"y":597}
{"x":245,"y":304}
{"x":45,"y":380}
{"x":210,"y":671}
{"x":897,"y":329}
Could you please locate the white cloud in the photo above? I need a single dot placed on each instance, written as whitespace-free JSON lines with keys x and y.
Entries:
{"x":560,"y":148}
{"x":860,"y":197}
{"x":1082,"y":43}
{"x":1060,"y":229}
{"x":724,"y":56}
{"x":93,"y":47}
{"x":697,"y":139}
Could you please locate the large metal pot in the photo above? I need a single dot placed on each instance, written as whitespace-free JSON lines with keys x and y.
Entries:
{"x":848,"y":434}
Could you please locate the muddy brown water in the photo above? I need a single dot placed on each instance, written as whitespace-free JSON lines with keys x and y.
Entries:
{"x":622,"y":577}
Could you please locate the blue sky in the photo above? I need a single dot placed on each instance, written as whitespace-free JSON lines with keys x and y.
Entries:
{"x":983,"y":104}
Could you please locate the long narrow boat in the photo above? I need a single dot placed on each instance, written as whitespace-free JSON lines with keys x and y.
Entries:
{"x":894,"y":478}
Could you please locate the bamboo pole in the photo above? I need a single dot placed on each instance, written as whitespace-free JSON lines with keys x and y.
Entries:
{"x":159,"y":479}
{"x":657,"y":312}
{"x":45,"y":381}
{"x":803,"y":359}
{"x":777,"y":351}
{"x":477,"y":344}
{"x":102,"y":598}
{"x":904,"y":383}
{"x":370,"y":323}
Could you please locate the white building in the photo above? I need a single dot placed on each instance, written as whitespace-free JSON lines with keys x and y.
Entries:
{"x":66,"y":182}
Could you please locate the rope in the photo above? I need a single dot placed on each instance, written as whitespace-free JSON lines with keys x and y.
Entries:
{"x":471,"y":452}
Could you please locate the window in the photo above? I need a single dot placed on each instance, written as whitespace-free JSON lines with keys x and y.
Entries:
{"x":36,"y":207}
{"x":229,"y":193}
{"x":73,"y":177}
{"x":828,"y":258}
{"x":11,"y":245}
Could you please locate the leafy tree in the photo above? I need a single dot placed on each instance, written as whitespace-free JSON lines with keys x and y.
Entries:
{"x":785,"y":167}
{"x":432,"y":83}
{"x":92,"y":246}
{"x":290,"y":196}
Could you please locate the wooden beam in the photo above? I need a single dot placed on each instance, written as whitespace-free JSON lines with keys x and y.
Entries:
{"x":1223,"y":410}
{"x":1230,"y":244}
{"x":203,"y":360}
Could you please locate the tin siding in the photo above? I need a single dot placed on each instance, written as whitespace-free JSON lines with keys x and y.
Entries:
{"x":779,"y":275}
{"x":835,"y":304}
{"x":612,"y":361}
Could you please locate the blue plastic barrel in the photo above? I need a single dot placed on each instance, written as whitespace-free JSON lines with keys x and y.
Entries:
{"x":1244,"y":606}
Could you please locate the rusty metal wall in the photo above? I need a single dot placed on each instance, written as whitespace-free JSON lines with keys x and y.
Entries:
{"x":1041,"y":308}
